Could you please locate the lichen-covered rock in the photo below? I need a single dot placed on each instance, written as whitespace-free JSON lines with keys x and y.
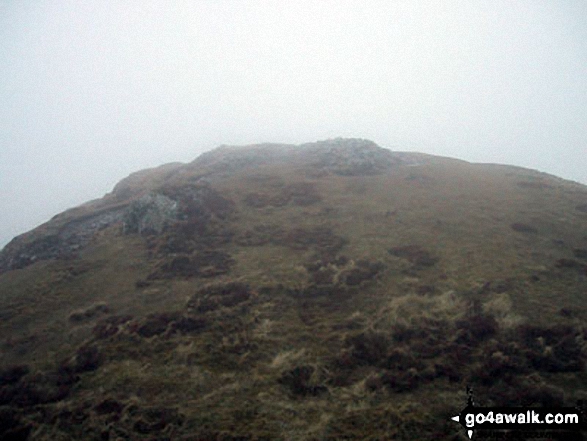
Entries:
{"x":351,"y":157}
{"x":149,"y":214}
{"x":58,"y":238}
{"x":342,"y":156}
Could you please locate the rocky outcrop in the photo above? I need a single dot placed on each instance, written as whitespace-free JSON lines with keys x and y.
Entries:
{"x":52,"y":241}
{"x":149,"y":214}
{"x":149,"y":201}
{"x":350,"y":157}
{"x":346,"y":157}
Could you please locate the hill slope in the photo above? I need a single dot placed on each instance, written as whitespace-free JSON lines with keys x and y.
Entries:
{"x":333,"y":290}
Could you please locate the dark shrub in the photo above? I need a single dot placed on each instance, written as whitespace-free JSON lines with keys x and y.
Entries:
{"x":118,"y":319}
{"x":523,"y":228}
{"x":70,"y":418}
{"x":415,"y":254}
{"x":157,"y":324}
{"x":156,"y":419}
{"x":324,"y":276}
{"x":189,"y":325}
{"x":87,"y":358}
{"x":110,"y":326}
{"x":580,"y":253}
{"x":364,"y":270}
{"x":207,"y":304}
{"x":402,"y":333}
{"x":7,"y":394}
{"x":401,"y":360}
{"x":104,"y":330}
{"x":530,"y":335}
{"x":299,"y":381}
{"x":320,"y":291}
{"x":65,"y":375}
{"x":458,"y":354}
{"x":12,"y":427}
{"x":214,"y":296}
{"x":476,"y":328}
{"x":88,"y":314}
{"x":449,"y":371}
{"x":8,"y":420}
{"x":235,"y":298}
{"x":564,"y":357}
{"x":543,"y":395}
{"x":181,"y":265}
{"x":257,"y":200}
{"x":12,"y":374}
{"x":141,"y":426}
{"x":109,"y":406}
{"x":374,"y":382}
{"x":76,"y":317}
{"x":567,"y":312}
{"x":426,"y":289}
{"x":341,"y":261}
{"x":571,"y":264}
{"x":370,"y":348}
{"x":553,"y":349}
{"x":142,"y":283}
{"x":201,"y":264}
{"x":498,"y":365}
{"x":43,"y":388}
{"x":401,"y":381}
{"x":526,"y":391}
{"x":321,"y":238}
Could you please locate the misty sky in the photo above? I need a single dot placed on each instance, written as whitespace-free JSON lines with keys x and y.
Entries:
{"x":91,"y":91}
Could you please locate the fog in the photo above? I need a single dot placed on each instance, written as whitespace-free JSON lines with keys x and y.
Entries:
{"x":92,"y":91}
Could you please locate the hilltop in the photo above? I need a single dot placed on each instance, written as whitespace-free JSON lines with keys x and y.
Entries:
{"x":331,"y":290}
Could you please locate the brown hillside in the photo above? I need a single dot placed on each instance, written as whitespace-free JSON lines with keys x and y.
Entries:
{"x":332,"y":290}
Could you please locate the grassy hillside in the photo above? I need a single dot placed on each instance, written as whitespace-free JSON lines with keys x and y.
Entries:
{"x":327,"y":291}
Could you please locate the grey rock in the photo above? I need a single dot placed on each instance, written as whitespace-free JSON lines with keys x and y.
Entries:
{"x":149,"y":214}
